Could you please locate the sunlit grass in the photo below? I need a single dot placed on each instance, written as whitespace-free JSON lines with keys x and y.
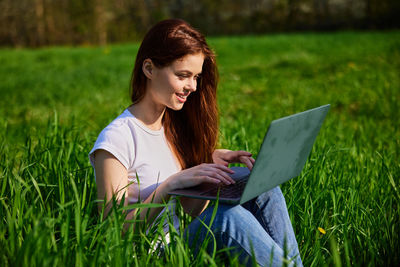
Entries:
{"x":344,"y":206}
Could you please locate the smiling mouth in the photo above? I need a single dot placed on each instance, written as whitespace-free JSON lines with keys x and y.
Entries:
{"x":181,"y":97}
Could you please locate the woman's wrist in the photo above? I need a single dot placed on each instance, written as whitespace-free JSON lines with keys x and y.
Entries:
{"x":215,"y":155}
{"x":170,"y":184}
{"x":164,"y":189}
{"x":160,"y":194}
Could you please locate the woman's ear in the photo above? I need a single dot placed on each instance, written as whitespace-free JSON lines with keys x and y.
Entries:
{"x":147,"y":68}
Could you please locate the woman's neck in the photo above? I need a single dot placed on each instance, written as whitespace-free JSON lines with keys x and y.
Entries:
{"x":148,"y":113}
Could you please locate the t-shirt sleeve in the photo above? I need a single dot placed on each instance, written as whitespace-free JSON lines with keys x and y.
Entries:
{"x":117,"y":140}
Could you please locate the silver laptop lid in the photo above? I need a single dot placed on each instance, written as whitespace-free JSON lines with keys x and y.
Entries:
{"x":284,"y":151}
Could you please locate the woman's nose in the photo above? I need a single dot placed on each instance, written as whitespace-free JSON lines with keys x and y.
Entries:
{"x":192,"y":85}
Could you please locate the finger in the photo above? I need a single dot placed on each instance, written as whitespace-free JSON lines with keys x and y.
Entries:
{"x":235,"y":155}
{"x":226,"y":176}
{"x":216,"y":175}
{"x":251,"y":159}
{"x":225,"y":171}
{"x":223,"y":168}
{"x":244,"y":153}
{"x":247,"y":161}
{"x":220,"y":169}
{"x":207,"y":179}
{"x":222,"y":162}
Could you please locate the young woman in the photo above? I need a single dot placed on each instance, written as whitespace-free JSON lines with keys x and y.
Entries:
{"x":167,"y":140}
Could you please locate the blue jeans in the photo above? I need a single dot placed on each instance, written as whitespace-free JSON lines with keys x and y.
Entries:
{"x":259,"y":229}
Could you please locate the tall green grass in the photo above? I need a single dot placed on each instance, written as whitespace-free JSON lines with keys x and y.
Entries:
{"x":54,"y":102}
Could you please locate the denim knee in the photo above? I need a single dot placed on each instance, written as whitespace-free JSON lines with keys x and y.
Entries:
{"x":231,"y":217}
{"x":228,"y":219}
{"x":272,"y":196}
{"x":236,"y":228}
{"x":227,"y":216}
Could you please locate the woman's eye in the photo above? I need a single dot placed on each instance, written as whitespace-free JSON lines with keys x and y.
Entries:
{"x":183,"y":76}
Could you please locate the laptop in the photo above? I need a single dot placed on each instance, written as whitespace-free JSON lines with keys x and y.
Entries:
{"x":282,"y":156}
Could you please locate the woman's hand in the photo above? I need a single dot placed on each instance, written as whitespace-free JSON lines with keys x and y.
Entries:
{"x":225,"y":156}
{"x":203,"y":173}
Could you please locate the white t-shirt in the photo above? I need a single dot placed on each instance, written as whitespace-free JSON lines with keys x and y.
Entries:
{"x":145,"y":154}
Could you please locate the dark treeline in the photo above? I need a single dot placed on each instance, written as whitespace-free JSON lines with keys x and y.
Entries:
{"x":47,"y":22}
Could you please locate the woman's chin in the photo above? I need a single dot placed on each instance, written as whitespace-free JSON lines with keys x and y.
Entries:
{"x":176,"y":107}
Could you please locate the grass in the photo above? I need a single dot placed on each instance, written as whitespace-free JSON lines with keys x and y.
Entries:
{"x":54,"y":101}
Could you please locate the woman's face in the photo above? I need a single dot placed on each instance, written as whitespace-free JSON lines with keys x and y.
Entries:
{"x":170,"y":86}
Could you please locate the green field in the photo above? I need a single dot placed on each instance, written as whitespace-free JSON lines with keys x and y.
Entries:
{"x":55,"y":101}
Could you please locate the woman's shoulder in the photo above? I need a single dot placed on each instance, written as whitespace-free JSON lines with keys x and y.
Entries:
{"x":120,"y":132}
{"x":122,"y":120}
{"x":117,"y":138}
{"x":122,"y":125}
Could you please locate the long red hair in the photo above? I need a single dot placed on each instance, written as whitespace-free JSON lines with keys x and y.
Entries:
{"x":192,"y":131}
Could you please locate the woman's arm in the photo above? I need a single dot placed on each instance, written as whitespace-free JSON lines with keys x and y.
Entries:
{"x":112,"y":180}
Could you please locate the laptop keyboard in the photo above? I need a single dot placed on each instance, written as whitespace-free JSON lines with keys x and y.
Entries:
{"x":228,"y":191}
